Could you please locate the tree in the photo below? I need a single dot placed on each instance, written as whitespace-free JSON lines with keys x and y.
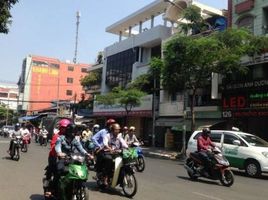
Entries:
{"x":5,"y":16}
{"x":126,"y":98}
{"x":91,"y":79}
{"x":189,"y":61}
{"x":3,"y":115}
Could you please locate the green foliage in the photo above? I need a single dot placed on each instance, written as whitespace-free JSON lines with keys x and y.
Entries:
{"x":127,"y":98}
{"x":93,"y":78}
{"x":5,"y":16}
{"x":195,"y":22}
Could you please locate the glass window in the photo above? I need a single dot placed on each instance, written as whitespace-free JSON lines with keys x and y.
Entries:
{"x":229,"y":139}
{"x":215,"y":137}
{"x":3,"y":94}
{"x":69,"y":92}
{"x":246,"y":22}
{"x":13,"y":95}
{"x":70,"y":68}
{"x":70,"y":80}
{"x":84,"y":70}
{"x":197,"y":135}
{"x":55,"y":65}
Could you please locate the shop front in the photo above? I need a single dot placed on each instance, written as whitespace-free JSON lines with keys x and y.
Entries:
{"x":245,"y":105}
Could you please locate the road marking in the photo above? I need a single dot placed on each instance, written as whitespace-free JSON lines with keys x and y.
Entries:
{"x":207,"y":196}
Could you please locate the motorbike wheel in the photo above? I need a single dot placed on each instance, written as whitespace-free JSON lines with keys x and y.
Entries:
{"x":190,"y":164}
{"x":140,"y":166}
{"x":129,"y":185}
{"x":24,"y":148}
{"x":17,"y":154}
{"x":82,"y":194}
{"x":227,"y":178}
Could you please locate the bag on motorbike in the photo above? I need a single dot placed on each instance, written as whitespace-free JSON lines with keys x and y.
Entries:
{"x":130,"y":155}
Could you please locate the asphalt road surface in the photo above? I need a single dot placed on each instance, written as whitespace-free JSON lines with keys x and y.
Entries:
{"x":161,"y":180}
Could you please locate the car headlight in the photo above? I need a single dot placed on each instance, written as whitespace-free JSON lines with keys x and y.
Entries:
{"x":265,"y":154}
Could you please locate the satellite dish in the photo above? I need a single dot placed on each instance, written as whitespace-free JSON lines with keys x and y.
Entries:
{"x":175,"y":9}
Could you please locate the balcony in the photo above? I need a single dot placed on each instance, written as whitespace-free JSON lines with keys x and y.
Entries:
{"x":92,"y":89}
{"x":244,"y":6}
{"x":171,"y":108}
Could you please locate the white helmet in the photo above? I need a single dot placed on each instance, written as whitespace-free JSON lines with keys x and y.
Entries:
{"x":96,"y":126}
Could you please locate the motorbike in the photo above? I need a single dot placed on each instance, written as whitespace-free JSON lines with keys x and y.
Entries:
{"x":72,"y":182}
{"x":15,"y":148}
{"x":43,"y":138}
{"x":123,"y":173}
{"x":25,"y":142}
{"x":140,"y":162}
{"x":219,"y":170}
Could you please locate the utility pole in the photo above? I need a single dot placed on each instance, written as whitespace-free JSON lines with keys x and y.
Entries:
{"x":78,"y":15}
{"x":7,"y":111}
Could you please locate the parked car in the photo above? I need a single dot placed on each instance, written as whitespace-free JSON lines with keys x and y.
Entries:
{"x":243,"y":150}
{"x":6,"y":129}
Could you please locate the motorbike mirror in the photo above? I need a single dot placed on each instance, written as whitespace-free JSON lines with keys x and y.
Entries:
{"x":237,"y":142}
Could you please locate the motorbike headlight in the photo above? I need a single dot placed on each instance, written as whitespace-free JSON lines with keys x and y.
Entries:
{"x":265,"y":154}
{"x":224,"y":162}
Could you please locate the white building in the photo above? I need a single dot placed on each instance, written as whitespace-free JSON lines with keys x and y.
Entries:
{"x":141,"y":36}
{"x":9,"y":95}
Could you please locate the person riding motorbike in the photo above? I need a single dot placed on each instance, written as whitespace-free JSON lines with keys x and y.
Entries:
{"x":13,"y":135}
{"x":204,"y":146}
{"x":130,"y":138}
{"x":86,"y":134}
{"x":96,"y":128}
{"x":113,"y":142}
{"x":25,"y":133}
{"x":43,"y":132}
{"x":124,"y":131}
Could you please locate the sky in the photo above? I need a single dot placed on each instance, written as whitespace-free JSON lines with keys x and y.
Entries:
{"x":48,"y":28}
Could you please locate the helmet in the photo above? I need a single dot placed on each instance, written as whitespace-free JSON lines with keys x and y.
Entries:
{"x":70,"y":130}
{"x":109,"y":122}
{"x":115,"y":126}
{"x":125,"y":128}
{"x":132,"y":128}
{"x":206,"y":131}
{"x":64,"y":123}
{"x":96,"y":126}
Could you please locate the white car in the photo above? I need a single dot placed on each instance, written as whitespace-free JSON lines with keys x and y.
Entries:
{"x":243,"y":150}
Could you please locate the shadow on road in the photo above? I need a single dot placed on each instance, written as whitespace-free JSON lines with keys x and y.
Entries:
{"x":92,"y":186}
{"x":242,"y":173}
{"x":37,"y":197}
{"x":200,"y":180}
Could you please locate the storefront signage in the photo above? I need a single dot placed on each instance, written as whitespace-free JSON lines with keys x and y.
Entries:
{"x":144,"y":109}
{"x":248,"y":99}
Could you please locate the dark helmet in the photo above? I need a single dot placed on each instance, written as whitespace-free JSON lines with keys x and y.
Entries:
{"x":206,"y":131}
{"x":17,"y":126}
{"x":70,"y":130}
{"x":109,"y":122}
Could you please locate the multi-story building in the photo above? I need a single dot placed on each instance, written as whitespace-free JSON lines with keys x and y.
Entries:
{"x":141,"y":36}
{"x":245,"y":98}
{"x":44,"y":81}
{"x":9,"y":95}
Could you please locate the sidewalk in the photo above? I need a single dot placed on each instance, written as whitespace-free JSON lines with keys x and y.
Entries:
{"x":162,"y":153}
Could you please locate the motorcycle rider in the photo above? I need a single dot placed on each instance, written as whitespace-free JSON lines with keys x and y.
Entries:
{"x":130,"y":138}
{"x":204,"y":146}
{"x":13,"y":135}
{"x":25,"y":133}
{"x":113,"y":142}
{"x":43,"y":132}
{"x":86,"y":134}
{"x":97,"y":140}
{"x":96,"y":128}
{"x":124,"y":131}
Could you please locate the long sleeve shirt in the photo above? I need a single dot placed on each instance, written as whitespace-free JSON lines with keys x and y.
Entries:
{"x":63,"y":145}
{"x":97,"y":139}
{"x":203,"y":143}
{"x":115,"y":142}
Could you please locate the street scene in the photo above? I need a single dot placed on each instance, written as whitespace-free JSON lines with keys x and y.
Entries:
{"x":162,"y":179}
{"x":152,"y":99}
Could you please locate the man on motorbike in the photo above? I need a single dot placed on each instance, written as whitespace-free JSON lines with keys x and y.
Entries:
{"x":43,"y":132}
{"x":113,"y":142}
{"x":13,"y":135}
{"x":124,"y":131}
{"x":96,"y":128}
{"x":204,"y":146}
{"x":130,"y":138}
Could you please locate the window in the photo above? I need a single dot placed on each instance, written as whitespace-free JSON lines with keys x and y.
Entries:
{"x":84,"y":70}
{"x":215,"y":137}
{"x":13,"y":95}
{"x":70,"y":68}
{"x":55,"y":65}
{"x":229,"y":139}
{"x":70,"y":80}
{"x":246,"y":22}
{"x":69,"y":92}
{"x":3,"y":94}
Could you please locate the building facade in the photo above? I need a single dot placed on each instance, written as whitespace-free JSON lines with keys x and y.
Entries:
{"x":44,"y":81}
{"x":245,"y":98}
{"x":141,"y":37}
{"x":9,"y":95}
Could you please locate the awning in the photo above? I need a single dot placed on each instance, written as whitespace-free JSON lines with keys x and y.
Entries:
{"x":28,"y":118}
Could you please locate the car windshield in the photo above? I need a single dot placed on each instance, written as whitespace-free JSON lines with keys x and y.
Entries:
{"x":254,"y":140}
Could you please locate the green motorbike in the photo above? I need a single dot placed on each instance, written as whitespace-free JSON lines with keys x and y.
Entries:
{"x":72,"y":182}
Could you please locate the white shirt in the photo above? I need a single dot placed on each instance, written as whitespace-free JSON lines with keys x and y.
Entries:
{"x":115,"y":142}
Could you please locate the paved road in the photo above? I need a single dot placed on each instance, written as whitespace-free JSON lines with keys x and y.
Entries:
{"x":162,"y":180}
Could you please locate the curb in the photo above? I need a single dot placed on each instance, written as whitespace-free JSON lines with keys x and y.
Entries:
{"x":159,"y":155}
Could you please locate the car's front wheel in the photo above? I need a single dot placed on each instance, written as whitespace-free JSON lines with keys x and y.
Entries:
{"x":253,"y":168}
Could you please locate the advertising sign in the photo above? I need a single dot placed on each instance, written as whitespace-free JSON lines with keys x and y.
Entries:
{"x":248,"y":99}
